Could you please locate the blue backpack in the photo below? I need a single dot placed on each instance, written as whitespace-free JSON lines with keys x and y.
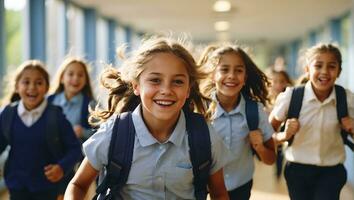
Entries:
{"x":121,"y":148}
{"x":341,"y":104}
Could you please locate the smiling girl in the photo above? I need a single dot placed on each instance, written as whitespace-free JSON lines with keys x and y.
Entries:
{"x":32,"y":171}
{"x":314,"y":168}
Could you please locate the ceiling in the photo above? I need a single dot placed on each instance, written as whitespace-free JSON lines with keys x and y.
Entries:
{"x":250,"y":20}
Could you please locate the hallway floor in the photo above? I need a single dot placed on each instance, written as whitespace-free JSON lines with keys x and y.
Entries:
{"x":267,"y":187}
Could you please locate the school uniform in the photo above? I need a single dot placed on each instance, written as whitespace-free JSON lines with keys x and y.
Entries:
{"x":29,"y":153}
{"x":159,"y":170}
{"x":232,"y":127}
{"x":315,"y":159}
{"x":75,"y":110}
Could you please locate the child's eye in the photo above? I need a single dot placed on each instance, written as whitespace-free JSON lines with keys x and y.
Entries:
{"x":223,"y":70}
{"x":333,"y":66}
{"x":155,"y":80}
{"x":318,"y":66}
{"x":178,"y":82}
{"x":239,"y":70}
{"x":26,"y":82}
{"x":39,"y":82}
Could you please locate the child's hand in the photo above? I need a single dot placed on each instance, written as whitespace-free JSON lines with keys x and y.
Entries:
{"x":256,"y":139}
{"x":78,"y":131}
{"x":292,"y":126}
{"x":53,"y":172}
{"x":348,"y":124}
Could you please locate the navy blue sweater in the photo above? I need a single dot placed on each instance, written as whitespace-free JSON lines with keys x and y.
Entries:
{"x":29,"y":153}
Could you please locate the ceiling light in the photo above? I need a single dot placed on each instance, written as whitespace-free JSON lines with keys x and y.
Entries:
{"x":222,"y":25}
{"x":222,"y":6}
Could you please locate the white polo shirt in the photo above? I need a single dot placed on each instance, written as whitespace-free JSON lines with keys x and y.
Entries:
{"x":318,"y":141}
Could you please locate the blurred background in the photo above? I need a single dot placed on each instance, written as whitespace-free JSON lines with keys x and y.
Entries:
{"x":275,"y":30}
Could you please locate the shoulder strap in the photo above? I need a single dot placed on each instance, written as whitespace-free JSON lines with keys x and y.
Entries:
{"x":8,"y":115}
{"x":120,"y":154}
{"x":200,"y":152}
{"x":295,"y":106}
{"x":85,"y":112}
{"x":53,"y":136}
{"x":50,"y":98}
{"x":252,"y":116}
{"x":342,"y":111}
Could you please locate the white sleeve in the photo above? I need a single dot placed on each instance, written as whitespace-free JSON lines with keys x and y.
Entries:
{"x":96,"y":147}
{"x":350,"y":101}
{"x":281,"y":105}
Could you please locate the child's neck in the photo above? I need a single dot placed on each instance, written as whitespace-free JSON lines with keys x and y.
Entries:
{"x":160,"y":130}
{"x":227,"y":103}
{"x":29,"y":108}
{"x":322,"y":95}
{"x":69,"y":95}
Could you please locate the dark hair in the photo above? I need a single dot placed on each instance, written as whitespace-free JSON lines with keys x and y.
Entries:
{"x":59,"y":87}
{"x":27,"y":65}
{"x":256,"y":82}
{"x":284,"y":74}
{"x":119,"y":82}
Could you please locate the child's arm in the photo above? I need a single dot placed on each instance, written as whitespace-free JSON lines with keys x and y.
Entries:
{"x":266,"y":150}
{"x":81,"y":182}
{"x":216,"y":186}
{"x":292,"y":126}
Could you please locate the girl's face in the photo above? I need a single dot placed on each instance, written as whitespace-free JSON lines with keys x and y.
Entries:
{"x":73,"y":79}
{"x":323,"y":71}
{"x":32,"y":88}
{"x":229,"y":76}
{"x":163,"y":87}
{"x":279,"y":83}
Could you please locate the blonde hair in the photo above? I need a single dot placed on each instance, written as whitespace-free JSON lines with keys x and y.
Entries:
{"x":119,"y":82}
{"x":11,"y":95}
{"x":256,"y":82}
{"x":59,"y":87}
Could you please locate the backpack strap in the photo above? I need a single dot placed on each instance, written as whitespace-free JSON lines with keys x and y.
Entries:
{"x":295,"y":106}
{"x":50,"y":98}
{"x":53,"y":134}
{"x":120,"y":154}
{"x":85,"y":112}
{"x":342,"y":111}
{"x":200,"y":152}
{"x":8,"y":115}
{"x":252,"y":116}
